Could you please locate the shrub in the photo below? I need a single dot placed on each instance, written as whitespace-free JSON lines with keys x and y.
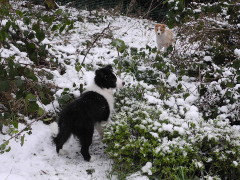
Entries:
{"x":24,"y":83}
{"x":174,"y":121}
{"x":175,"y":147}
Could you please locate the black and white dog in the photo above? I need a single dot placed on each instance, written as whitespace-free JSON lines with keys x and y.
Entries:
{"x":91,"y":109}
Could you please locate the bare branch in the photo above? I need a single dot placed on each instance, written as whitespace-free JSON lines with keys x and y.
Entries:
{"x":95,"y":40}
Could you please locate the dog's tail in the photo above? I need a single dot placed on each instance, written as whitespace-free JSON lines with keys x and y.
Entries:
{"x":54,"y":129}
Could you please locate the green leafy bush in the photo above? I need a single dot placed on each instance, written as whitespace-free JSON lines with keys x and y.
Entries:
{"x":25,"y":87}
{"x":140,"y":133}
{"x":163,"y":127}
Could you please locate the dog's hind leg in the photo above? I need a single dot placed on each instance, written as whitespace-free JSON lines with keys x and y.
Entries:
{"x":61,"y":138}
{"x":99,"y":127}
{"x":85,"y":137}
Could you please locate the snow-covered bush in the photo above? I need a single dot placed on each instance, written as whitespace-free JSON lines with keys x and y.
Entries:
{"x":170,"y":130}
{"x":212,"y":31}
{"x":176,"y":147}
{"x":172,"y":120}
{"x":25,"y":82}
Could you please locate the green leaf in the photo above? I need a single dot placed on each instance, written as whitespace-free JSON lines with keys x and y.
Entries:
{"x":31,"y":36}
{"x":47,"y":119}
{"x":36,"y":27}
{"x":48,"y":19}
{"x":32,"y":107}
{"x":62,"y":28}
{"x":40,"y":35}
{"x":78,"y":66}
{"x":200,"y":26}
{"x":31,"y":98}
{"x":70,"y":27}
{"x":40,"y":111}
{"x":26,"y":20}
{"x":119,"y":44}
{"x":15,"y":124}
{"x":236,"y":64}
{"x":8,"y":149}
{"x":66,"y":97}
{"x":228,"y":94}
{"x":230,"y":84}
{"x":31,"y":46}
{"x":19,"y":13}
{"x":186,"y":95}
{"x":55,"y":27}
{"x":19,"y":83}
{"x":58,"y":12}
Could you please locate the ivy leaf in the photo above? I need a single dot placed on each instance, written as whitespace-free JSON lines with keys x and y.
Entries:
{"x":62,"y":28}
{"x":236,"y":64}
{"x":47,"y":119}
{"x":19,"y":83}
{"x":40,"y":111}
{"x":32,"y":107}
{"x":78,"y":66}
{"x":40,"y":35}
{"x":54,"y":27}
{"x":19,"y":13}
{"x":30,"y":97}
{"x":15,"y":124}
{"x":186,"y":95}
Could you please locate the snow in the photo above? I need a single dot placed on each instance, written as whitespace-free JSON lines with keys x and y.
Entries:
{"x":207,"y":58}
{"x":192,"y":114}
{"x":147,"y":168}
{"x":237,"y":52}
{"x":180,"y":130}
{"x":172,"y":80}
{"x":137,"y":176}
{"x":235,"y":163}
{"x":37,"y":159}
{"x":167,"y":127}
{"x":67,"y":49}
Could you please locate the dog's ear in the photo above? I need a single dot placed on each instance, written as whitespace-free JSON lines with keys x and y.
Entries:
{"x":109,"y":67}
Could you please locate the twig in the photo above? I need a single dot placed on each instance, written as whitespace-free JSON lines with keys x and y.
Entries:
{"x":27,"y":126}
{"x":96,"y":39}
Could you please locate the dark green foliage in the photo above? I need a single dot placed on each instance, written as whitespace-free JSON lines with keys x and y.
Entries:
{"x":209,"y":148}
{"x":138,"y":136}
{"x":22,"y":86}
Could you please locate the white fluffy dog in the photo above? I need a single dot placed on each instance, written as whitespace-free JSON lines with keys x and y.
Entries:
{"x":164,"y":36}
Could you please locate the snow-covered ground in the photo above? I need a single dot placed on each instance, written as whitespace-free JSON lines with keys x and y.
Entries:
{"x":37,"y":158}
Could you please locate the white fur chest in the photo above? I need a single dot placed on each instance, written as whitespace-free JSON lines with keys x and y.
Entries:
{"x":162,"y":40}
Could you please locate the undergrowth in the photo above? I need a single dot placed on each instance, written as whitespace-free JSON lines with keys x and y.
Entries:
{"x":176,"y":117}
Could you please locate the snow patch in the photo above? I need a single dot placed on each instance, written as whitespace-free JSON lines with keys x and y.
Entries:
{"x":147,"y":168}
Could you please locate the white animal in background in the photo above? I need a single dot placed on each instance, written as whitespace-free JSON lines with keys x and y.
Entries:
{"x":164,"y":37}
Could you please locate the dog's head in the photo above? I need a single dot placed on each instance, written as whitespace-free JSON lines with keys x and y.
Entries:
{"x":105,"y":78}
{"x":160,"y":28}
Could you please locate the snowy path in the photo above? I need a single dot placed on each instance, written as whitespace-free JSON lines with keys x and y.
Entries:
{"x":38,"y":160}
